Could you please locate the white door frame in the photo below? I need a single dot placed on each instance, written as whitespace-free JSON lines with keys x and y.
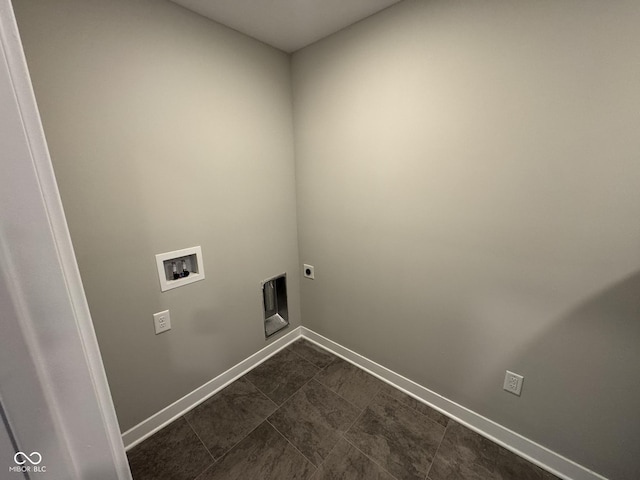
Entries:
{"x":52,"y":382}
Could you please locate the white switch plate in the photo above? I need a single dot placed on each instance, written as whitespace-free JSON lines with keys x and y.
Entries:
{"x":309,"y":271}
{"x":162,"y":321}
{"x":513,"y":383}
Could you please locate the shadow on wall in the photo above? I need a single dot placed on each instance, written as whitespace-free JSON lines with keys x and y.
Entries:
{"x":604,"y":348}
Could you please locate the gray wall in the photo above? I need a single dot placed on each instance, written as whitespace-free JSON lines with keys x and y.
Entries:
{"x":468,"y":181}
{"x":166,"y":131}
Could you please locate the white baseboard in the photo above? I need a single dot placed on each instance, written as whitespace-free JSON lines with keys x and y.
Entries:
{"x":528,"y":449}
{"x":157,"y":421}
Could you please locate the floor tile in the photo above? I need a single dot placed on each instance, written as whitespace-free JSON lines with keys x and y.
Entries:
{"x":282,"y":375}
{"x":350,"y":382}
{"x":345,"y":462}
{"x":314,"y":419}
{"x":510,"y":466}
{"x":265,"y":455}
{"x":290,"y":418}
{"x":415,"y":404}
{"x":312,"y":353}
{"x":391,"y":433}
{"x":464,"y":455}
{"x":227,"y":417}
{"x":174,"y":453}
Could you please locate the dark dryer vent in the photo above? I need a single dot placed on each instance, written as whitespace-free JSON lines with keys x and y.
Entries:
{"x":274,"y":298}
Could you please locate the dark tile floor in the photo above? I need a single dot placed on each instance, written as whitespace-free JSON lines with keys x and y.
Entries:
{"x":306,"y":414}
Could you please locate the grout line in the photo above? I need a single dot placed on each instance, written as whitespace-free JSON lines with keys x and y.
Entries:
{"x":354,"y":422}
{"x":413,"y":408}
{"x":380,"y":392}
{"x":300,"y":388}
{"x":296,"y":353}
{"x":281,"y":350}
{"x":293,"y":394}
{"x":373,"y":398}
{"x":245,"y":376}
{"x":245,"y":436}
{"x":320,"y":370}
{"x":297,"y":390}
{"x":330,"y":451}
{"x":200,"y":475}
{"x":261,"y":393}
{"x":204,"y":471}
{"x":296,"y":448}
{"x":373,"y":460}
{"x":359,"y":409}
{"x":239,"y":441}
{"x":362,"y":409}
{"x":203,"y":444}
{"x":342,"y":435}
{"x":437,"y":450}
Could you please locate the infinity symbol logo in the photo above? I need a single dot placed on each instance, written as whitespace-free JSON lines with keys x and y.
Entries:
{"x":31,"y":458}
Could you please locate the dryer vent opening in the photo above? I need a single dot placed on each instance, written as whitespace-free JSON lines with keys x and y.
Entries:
{"x":274,"y":300}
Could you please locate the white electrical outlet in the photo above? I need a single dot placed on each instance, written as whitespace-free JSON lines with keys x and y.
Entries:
{"x":162,"y":321}
{"x":513,"y":383}
{"x":309,"y":271}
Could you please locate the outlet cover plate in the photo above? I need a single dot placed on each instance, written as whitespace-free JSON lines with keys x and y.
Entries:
{"x":309,"y":271}
{"x":162,"y":321}
{"x":513,"y":383}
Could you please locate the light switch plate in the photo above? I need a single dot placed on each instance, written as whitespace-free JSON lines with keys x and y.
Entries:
{"x":162,"y":321}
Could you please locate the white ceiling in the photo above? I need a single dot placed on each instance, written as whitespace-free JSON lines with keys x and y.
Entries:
{"x":286,"y":24}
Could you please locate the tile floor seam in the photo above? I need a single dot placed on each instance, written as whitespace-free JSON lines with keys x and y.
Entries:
{"x":348,"y":401}
{"x":204,"y":471}
{"x":324,"y":368}
{"x":372,"y":459}
{"x":203,"y":444}
{"x":286,"y":399}
{"x":360,"y":409}
{"x":292,"y":395}
{"x":236,"y":444}
{"x":262,"y":419}
{"x":328,"y":454}
{"x":265,"y":396}
{"x":289,"y":346}
{"x":381,"y":392}
{"x":246,"y":376}
{"x":435,"y":455}
{"x":415,"y":409}
{"x":296,"y":448}
{"x":355,"y":421}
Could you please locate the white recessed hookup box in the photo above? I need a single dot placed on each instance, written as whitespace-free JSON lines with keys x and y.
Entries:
{"x":180,"y":267}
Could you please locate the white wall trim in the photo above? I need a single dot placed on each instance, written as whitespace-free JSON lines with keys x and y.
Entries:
{"x":528,"y":449}
{"x":151,"y":425}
